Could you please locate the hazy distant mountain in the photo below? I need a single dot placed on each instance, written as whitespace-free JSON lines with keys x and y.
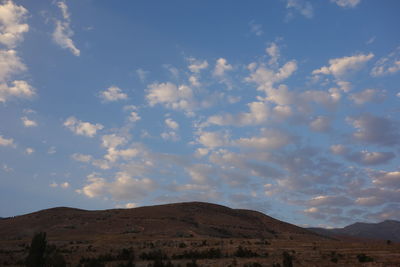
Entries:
{"x":386,"y":230}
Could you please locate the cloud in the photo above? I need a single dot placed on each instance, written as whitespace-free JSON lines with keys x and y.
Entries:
{"x":63,"y":32}
{"x":268,"y":139}
{"x":12,"y":26}
{"x":326,"y":200}
{"x":213,"y":139}
{"x":273,"y":51}
{"x":142,"y":74}
{"x":52,"y":150}
{"x":6,"y":141}
{"x":320,"y":124}
{"x":19,"y":89}
{"x":387,"y":65}
{"x":363,"y":157}
{"x":82,"y":157}
{"x":10,"y":64}
{"x":256,"y":28}
{"x":63,"y":185}
{"x":124,"y":187}
{"x":82,"y":128}
{"x":259,"y":113}
{"x":134,"y":117}
{"x":387,"y":178}
{"x":304,"y":7}
{"x":131,"y":205}
{"x":28,"y":123}
{"x":170,"y":95}
{"x":29,"y":151}
{"x":196,"y":65}
{"x":367,"y":95}
{"x":221,"y":67}
{"x":112,"y":142}
{"x":346,"y":3}
{"x":341,"y":67}
{"x":375,"y":130}
{"x":172,"y":124}
{"x":113,"y":94}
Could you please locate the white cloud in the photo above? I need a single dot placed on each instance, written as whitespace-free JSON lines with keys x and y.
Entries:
{"x":273,"y":51}
{"x":63,"y":185}
{"x":375,"y":130}
{"x":131,"y":205}
{"x":20,"y":89}
{"x":371,"y":158}
{"x":82,"y":128}
{"x":82,"y":157}
{"x":326,"y":200}
{"x":268,"y":139}
{"x":213,"y":139}
{"x":338,"y":149}
{"x":256,"y":28}
{"x":369,"y":201}
{"x":52,"y":150}
{"x":12,"y":26}
{"x":28,"y":123}
{"x":221,"y":67}
{"x":170,"y":95}
{"x":134,"y":117}
{"x":387,"y":65}
{"x":258,"y":114}
{"x":366,"y":95}
{"x":142,"y":74}
{"x":111,"y":142}
{"x":172,"y":124}
{"x":10,"y":64}
{"x":346,"y":3}
{"x":265,"y":78}
{"x":341,"y":67}
{"x":389,"y":179}
{"x":6,"y":141}
{"x":113,"y":93}
{"x":29,"y":151}
{"x":63,"y":32}
{"x":124,"y":187}
{"x":320,"y":124}
{"x":196,"y":65}
{"x":170,"y":135}
{"x":304,"y":7}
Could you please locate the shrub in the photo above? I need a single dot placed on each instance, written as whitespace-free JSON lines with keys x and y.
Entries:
{"x":287,"y":259}
{"x":364,"y":258}
{"x":245,"y":253}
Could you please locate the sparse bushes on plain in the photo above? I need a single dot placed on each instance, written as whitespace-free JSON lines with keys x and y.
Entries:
{"x":364,"y":258}
{"x":245,"y":253}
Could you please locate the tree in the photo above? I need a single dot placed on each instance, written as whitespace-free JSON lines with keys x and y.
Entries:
{"x":37,"y":250}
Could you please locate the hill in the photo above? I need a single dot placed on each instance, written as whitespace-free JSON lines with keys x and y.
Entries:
{"x":193,"y":219}
{"x":386,"y":230}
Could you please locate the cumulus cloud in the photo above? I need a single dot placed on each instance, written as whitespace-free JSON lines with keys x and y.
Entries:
{"x":387,"y":178}
{"x":82,"y":128}
{"x":134,"y":117}
{"x":171,"y":124}
{"x":82,"y":157}
{"x":142,"y":74}
{"x":6,"y":141}
{"x":29,"y":151}
{"x":346,"y":3}
{"x":256,"y":28}
{"x":304,"y":7}
{"x":268,"y":139}
{"x":258,"y":113}
{"x":19,"y":89}
{"x":274,"y":53}
{"x":367,"y":95}
{"x":375,"y":130}
{"x":63,"y":185}
{"x":112,"y":94}
{"x":221,"y":67}
{"x":213,"y":139}
{"x":196,"y":65}
{"x":28,"y":122}
{"x":12,"y":26}
{"x":112,"y":142}
{"x":123,"y":187}
{"x":341,"y":67}
{"x":10,"y":64}
{"x":329,"y":200}
{"x":387,"y":65}
{"x":63,"y":33}
{"x":171,"y":96}
{"x":320,"y":124}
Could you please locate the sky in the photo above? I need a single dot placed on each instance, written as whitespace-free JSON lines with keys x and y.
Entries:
{"x":288,"y":107}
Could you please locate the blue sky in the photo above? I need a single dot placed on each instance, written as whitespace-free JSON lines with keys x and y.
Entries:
{"x":289,"y":107}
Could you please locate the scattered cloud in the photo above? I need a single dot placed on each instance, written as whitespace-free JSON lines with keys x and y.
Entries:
{"x":19,"y":89}
{"x":12,"y":23}
{"x":374,"y":130}
{"x":142,"y":74}
{"x":256,"y":28}
{"x":82,"y":157}
{"x":63,"y":33}
{"x":221,"y":67}
{"x":341,"y":67}
{"x":28,"y":122}
{"x":196,"y":65}
{"x":367,"y":95}
{"x":112,"y":94}
{"x":29,"y":151}
{"x":82,"y":128}
{"x":387,"y":65}
{"x":346,"y":3}
{"x":303,"y":7}
{"x":134,"y":117}
{"x":6,"y":141}
{"x":320,"y":124}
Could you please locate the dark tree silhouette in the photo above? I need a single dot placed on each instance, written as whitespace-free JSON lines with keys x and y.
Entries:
{"x":36,"y":252}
